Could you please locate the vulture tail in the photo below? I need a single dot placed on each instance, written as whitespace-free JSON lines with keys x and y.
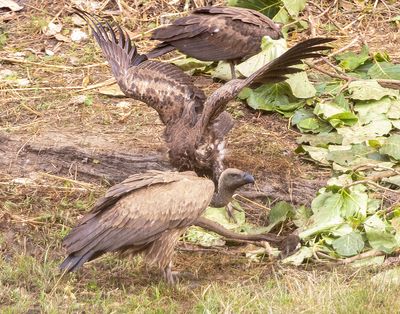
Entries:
{"x":72,"y":262}
{"x":272,"y":72}
{"x":119,"y":52}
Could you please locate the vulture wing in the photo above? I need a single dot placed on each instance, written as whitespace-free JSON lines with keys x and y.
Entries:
{"x":272,"y":72}
{"x":137,"y":212}
{"x":216,"y":33}
{"x":162,"y":86}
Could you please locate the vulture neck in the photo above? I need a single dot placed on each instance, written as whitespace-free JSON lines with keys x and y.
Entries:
{"x":222,"y":197}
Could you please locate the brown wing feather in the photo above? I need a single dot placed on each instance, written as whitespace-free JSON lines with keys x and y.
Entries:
{"x":137,"y":212}
{"x":165,"y":88}
{"x":162,"y":86}
{"x":216,"y":33}
{"x":272,"y":72}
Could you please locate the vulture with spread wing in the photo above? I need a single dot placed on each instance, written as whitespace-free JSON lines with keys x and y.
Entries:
{"x":147,"y":213}
{"x":216,"y":33}
{"x":195,"y":125}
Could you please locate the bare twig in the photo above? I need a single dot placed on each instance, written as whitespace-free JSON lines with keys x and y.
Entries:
{"x":46,"y":65}
{"x":369,"y":182}
{"x":371,"y":253}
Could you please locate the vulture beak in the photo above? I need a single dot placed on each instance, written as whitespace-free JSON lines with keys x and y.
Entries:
{"x":248,"y":178}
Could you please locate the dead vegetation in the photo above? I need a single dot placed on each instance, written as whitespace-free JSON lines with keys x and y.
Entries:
{"x":56,"y":129}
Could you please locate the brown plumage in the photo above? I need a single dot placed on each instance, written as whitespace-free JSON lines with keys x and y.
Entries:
{"x":216,"y":33}
{"x":195,"y":125}
{"x":147,"y":213}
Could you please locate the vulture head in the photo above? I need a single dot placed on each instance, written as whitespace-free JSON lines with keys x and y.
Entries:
{"x":230,"y":180}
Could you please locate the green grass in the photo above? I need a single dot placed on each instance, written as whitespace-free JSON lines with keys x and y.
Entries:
{"x":34,"y":221}
{"x":27,"y":283}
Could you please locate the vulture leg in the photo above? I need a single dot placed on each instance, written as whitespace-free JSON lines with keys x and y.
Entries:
{"x":168,"y":274}
{"x":232,"y":66}
{"x":230,"y":210}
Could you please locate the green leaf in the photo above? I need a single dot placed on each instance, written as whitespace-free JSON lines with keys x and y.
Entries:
{"x":267,"y":7}
{"x":192,"y":65}
{"x":341,"y":101}
{"x":300,"y":85}
{"x":330,"y":87}
{"x":335,"y":114}
{"x":370,"y":89}
{"x":394,"y":110}
{"x":355,"y":202}
{"x":349,"y":245}
{"x":270,"y":97}
{"x":350,"y":61}
{"x":371,"y":110}
{"x":344,"y":118}
{"x":301,"y":216}
{"x":341,"y":230}
{"x":278,"y":214}
{"x":321,"y":139}
{"x":282,"y":17}
{"x":326,"y":208}
{"x":222,"y":71}
{"x":378,"y":237}
{"x":199,"y":236}
{"x":298,"y":258}
{"x":396,"y":124}
{"x":361,"y":133}
{"x":326,"y":110}
{"x":317,"y":153}
{"x":294,"y":7}
{"x":270,"y":50}
{"x":219,"y":215}
{"x":306,"y":121}
{"x":385,"y":70}
{"x":349,"y":155}
{"x":391,"y":147}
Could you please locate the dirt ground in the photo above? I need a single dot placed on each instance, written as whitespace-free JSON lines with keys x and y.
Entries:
{"x":62,"y":142}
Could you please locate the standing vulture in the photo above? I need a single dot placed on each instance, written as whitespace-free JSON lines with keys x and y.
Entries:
{"x":147,"y":213}
{"x":216,"y":33}
{"x":195,"y":125}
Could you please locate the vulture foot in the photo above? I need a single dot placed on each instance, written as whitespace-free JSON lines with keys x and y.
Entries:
{"x":289,"y":245}
{"x":170,"y":276}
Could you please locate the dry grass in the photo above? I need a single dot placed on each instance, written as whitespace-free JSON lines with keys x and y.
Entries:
{"x":35,"y":217}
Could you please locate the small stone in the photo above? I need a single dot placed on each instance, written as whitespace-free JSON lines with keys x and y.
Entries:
{"x":51,"y":29}
{"x":78,"y":35}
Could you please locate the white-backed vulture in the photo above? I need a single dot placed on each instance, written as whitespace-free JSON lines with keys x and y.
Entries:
{"x":216,"y":33}
{"x":195,"y":125}
{"x":147,"y":213}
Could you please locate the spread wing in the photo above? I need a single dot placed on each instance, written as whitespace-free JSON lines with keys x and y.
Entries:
{"x":216,"y":33}
{"x":272,"y":72}
{"x":162,"y":86}
{"x":136,"y":212}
